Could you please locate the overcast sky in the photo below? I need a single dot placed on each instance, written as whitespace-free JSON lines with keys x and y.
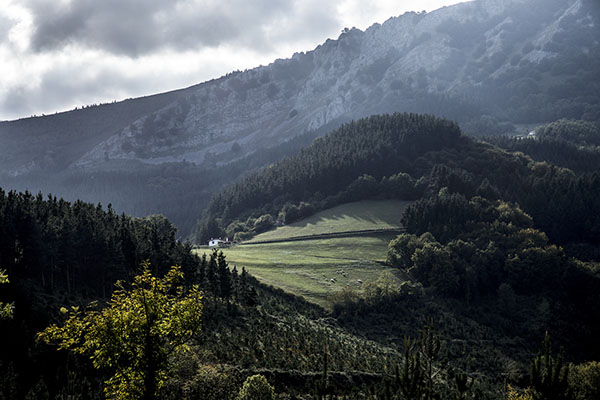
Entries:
{"x":58,"y":54}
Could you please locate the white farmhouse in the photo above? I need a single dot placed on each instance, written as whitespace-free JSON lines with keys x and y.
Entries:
{"x":214,"y":242}
{"x":218,"y":242}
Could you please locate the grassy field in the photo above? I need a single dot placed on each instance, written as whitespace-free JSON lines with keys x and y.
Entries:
{"x":319,"y":267}
{"x":358,"y":216}
{"x":314,"y":269}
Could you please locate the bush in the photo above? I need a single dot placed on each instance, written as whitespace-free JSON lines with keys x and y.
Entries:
{"x":241,"y":236}
{"x":264,"y":223}
{"x":256,"y":387}
{"x":584,"y":380}
{"x":209,"y":384}
{"x":292,"y":212}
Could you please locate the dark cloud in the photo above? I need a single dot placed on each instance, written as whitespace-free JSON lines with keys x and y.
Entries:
{"x":139,"y":27}
{"x":5,"y":25}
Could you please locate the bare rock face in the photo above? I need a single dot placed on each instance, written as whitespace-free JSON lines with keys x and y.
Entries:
{"x":415,"y":62}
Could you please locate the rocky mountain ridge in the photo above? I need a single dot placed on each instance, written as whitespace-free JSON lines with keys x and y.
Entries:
{"x":443,"y":62}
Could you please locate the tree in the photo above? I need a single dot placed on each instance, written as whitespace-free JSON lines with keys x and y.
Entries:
{"x":420,"y":377}
{"x":256,"y":387}
{"x":549,"y":377}
{"x":264,"y":223}
{"x":584,"y":380}
{"x":6,"y":309}
{"x":224,"y":277}
{"x":135,"y":334}
{"x":384,"y":288}
{"x":410,"y":379}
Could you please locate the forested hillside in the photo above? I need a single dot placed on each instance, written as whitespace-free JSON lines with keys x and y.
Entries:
{"x":471,"y":132}
{"x":63,"y":258}
{"x":570,"y":144}
{"x":379,"y":146}
{"x":493,"y":247}
{"x":407,"y":156}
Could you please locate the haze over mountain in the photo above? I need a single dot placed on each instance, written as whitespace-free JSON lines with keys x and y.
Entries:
{"x":493,"y":65}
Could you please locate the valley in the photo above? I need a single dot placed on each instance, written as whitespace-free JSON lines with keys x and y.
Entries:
{"x":393,"y":230}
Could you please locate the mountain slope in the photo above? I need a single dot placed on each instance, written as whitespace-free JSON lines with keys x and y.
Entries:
{"x":415,"y":62}
{"x":450,"y":62}
{"x":54,"y":142}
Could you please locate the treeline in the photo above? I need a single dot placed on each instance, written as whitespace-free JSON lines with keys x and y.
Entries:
{"x":562,"y":154}
{"x":472,"y":248}
{"x":80,"y":247}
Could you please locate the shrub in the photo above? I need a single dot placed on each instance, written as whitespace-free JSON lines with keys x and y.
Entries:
{"x":256,"y":387}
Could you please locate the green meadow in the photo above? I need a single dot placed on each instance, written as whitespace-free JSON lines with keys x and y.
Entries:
{"x":317,"y":268}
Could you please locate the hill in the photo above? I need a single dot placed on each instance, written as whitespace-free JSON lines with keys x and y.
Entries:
{"x":472,"y":261}
{"x":405,"y":157}
{"x":494,"y":249}
{"x":489,"y":64}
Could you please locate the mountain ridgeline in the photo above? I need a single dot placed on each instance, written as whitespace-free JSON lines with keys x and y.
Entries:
{"x":495,"y":66}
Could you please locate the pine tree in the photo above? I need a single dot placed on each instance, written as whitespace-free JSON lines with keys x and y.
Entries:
{"x":549,"y":377}
{"x":224,"y":277}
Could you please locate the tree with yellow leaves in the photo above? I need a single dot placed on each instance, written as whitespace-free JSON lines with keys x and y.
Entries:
{"x":135,"y":334}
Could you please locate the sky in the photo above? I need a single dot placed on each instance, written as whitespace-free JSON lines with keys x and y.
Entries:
{"x":60,"y":54}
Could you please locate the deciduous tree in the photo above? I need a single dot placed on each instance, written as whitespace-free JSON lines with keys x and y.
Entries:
{"x":135,"y":334}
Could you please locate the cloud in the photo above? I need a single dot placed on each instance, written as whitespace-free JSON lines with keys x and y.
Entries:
{"x":47,"y":82}
{"x":137,"y":27}
{"x":5,"y":26}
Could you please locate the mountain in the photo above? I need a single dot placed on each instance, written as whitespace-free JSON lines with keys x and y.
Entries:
{"x":493,"y":65}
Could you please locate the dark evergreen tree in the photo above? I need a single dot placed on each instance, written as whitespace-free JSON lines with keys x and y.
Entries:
{"x":224,"y":277}
{"x":549,"y":377}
